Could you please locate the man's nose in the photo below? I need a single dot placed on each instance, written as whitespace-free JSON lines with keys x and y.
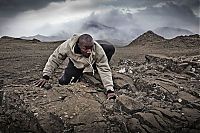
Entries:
{"x":89,"y":51}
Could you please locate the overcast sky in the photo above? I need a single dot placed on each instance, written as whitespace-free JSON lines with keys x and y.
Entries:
{"x":124,"y":17}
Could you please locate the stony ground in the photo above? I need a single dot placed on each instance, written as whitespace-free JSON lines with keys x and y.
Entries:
{"x":158,"y":88}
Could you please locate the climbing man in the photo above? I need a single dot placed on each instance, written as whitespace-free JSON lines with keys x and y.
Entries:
{"x":85,"y":55}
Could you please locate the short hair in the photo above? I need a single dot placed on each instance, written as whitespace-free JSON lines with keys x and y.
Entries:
{"x":85,"y":38}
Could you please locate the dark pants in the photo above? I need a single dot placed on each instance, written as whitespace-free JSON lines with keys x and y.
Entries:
{"x":73,"y":74}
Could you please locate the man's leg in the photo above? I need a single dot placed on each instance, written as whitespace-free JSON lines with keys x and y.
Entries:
{"x":71,"y":74}
{"x":108,"y":48}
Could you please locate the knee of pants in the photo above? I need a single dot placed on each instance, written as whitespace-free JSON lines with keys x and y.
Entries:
{"x":110,"y":52}
{"x":69,"y":79}
{"x":112,"y":49}
{"x":63,"y":81}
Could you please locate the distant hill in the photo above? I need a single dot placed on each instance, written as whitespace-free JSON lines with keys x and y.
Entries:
{"x":170,"y":32}
{"x":8,"y":38}
{"x":147,"y":37}
{"x":43,"y":38}
{"x":185,"y":41}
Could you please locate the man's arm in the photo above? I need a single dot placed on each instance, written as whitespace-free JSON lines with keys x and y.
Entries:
{"x":105,"y":72}
{"x":57,"y":58}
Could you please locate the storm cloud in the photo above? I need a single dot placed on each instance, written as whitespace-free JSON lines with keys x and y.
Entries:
{"x":119,"y":19}
{"x":13,"y":7}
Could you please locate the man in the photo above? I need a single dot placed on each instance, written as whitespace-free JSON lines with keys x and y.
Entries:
{"x":85,"y":55}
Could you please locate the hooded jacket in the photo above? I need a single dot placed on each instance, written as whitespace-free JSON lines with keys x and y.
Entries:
{"x":98,"y":56}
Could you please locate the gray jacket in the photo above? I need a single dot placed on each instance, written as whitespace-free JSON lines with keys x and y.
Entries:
{"x":66,"y":49}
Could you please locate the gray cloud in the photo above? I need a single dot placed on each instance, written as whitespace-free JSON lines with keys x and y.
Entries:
{"x":8,"y":7}
{"x":12,"y":7}
{"x":104,"y":13}
{"x":170,"y":14}
{"x":193,"y":4}
{"x":126,"y":26}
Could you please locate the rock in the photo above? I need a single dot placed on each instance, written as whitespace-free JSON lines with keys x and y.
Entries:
{"x":186,"y":97}
{"x":1,"y":84}
{"x":91,"y":79}
{"x":192,"y":115}
{"x":149,"y":120}
{"x":128,"y":104}
{"x":1,"y":97}
{"x":170,"y":63}
{"x":120,"y":121}
{"x":51,"y":123}
{"x":47,"y":86}
{"x":15,"y":117}
{"x":134,"y":126}
{"x":96,"y":127}
{"x":122,"y":81}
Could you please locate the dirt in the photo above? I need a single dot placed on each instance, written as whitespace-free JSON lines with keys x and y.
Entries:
{"x":157,"y":83}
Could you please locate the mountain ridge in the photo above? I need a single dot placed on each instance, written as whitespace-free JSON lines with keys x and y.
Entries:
{"x":171,"y":32}
{"x":151,"y":38}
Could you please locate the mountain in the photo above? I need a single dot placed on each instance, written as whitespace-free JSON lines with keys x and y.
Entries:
{"x":185,"y":41}
{"x":103,"y":32}
{"x":43,"y":38}
{"x":150,"y":39}
{"x":11,"y":39}
{"x":146,"y":38}
{"x":93,"y":25}
{"x":170,"y":32}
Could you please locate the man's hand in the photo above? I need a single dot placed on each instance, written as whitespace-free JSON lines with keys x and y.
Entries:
{"x":111,"y":95}
{"x":41,"y":82}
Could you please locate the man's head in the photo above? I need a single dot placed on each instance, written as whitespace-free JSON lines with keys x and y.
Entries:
{"x":86,"y":43}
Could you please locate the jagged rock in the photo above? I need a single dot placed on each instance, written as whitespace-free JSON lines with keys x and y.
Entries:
{"x":192,"y":116}
{"x":1,"y":92}
{"x":96,"y":127}
{"x":166,"y":121}
{"x":94,"y":80}
{"x":175,"y":65}
{"x":120,"y":121}
{"x":51,"y":123}
{"x":1,"y":84}
{"x":187,"y":97}
{"x":15,"y":117}
{"x":149,"y":120}
{"x":122,"y":81}
{"x":133,"y":125}
{"x":128,"y":104}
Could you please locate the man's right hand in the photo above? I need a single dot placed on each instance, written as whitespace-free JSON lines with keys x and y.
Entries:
{"x":41,"y":82}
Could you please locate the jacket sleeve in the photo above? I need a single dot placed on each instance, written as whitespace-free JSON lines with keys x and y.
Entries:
{"x":104,"y":69}
{"x":55,"y":59}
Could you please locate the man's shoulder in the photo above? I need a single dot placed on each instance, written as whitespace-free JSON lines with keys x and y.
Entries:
{"x":71,"y":40}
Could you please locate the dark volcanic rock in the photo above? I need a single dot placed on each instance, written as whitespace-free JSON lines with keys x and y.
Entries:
{"x":15,"y":117}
